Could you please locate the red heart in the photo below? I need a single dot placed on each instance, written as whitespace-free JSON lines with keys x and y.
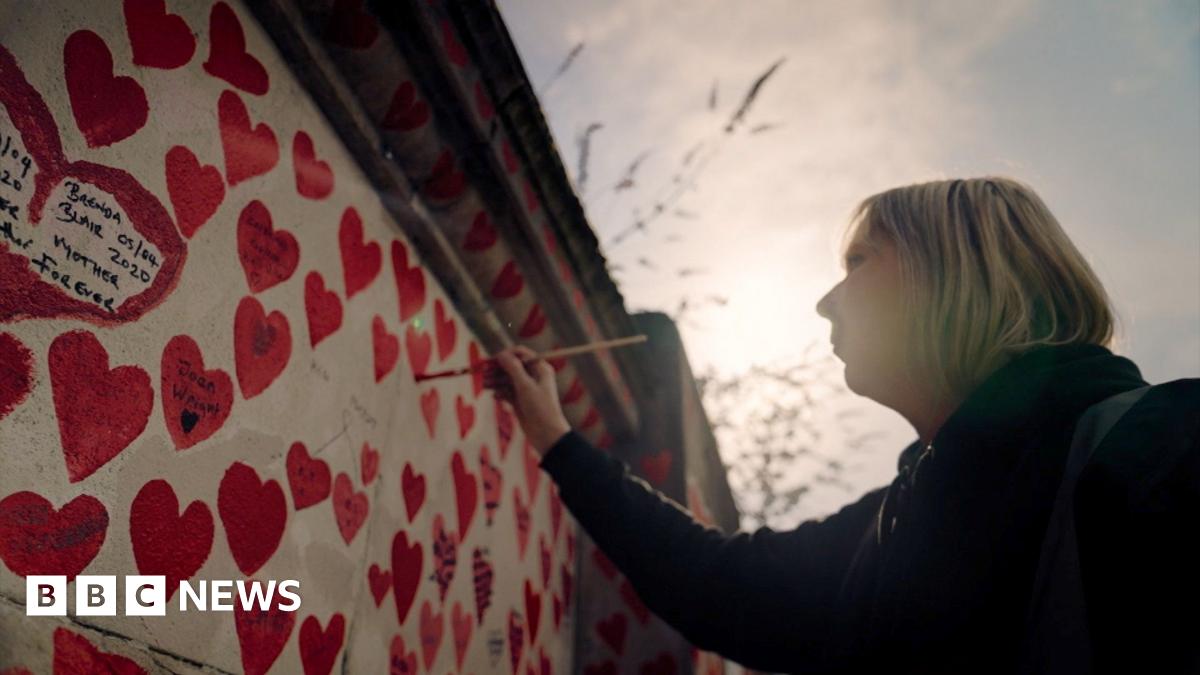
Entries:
{"x":253,"y":513}
{"x":401,"y":662}
{"x":482,"y":233}
{"x":249,"y":151}
{"x":314,"y":178}
{"x":547,"y":557}
{"x":466,"y":493}
{"x":166,"y":542}
{"x":516,"y":639}
{"x":482,"y":103}
{"x":432,"y":627}
{"x":533,"y":609}
{"x":405,"y":112}
{"x":656,"y":467}
{"x":535,"y":321}
{"x":157,"y":39}
{"x":349,"y":507}
{"x":361,"y":259}
{"x":107,"y":109}
{"x":262,"y":634}
{"x":406,"y":573}
{"x":319,"y":648}
{"x":196,"y":190}
{"x":268,"y":256}
{"x":386,"y":346}
{"x":476,"y":373}
{"x":410,"y":282}
{"x":445,"y":556}
{"x":555,"y":510}
{"x":466,"y":416}
{"x":262,"y":345}
{"x":604,"y":563}
{"x":631,"y":597}
{"x":522,"y":520}
{"x":227,"y":56}
{"x":508,"y":283}
{"x":504,"y":427}
{"x":430,"y":405}
{"x":196,"y":402}
{"x":380,"y":581}
{"x":533,"y":471}
{"x":484,"y":576}
{"x":420,"y":349}
{"x":612,"y":631}
{"x":462,"y":624}
{"x":446,"y":329}
{"x":573,"y":393}
{"x":35,"y":538}
{"x":348,"y":25}
{"x":558,"y":609}
{"x":444,"y":181}
{"x":100,"y":411}
{"x":412,"y":484}
{"x":454,"y":49}
{"x":16,"y":373}
{"x":370,"y":463}
{"x":308,"y":478}
{"x":566,"y":582}
{"x":73,"y":653}
{"x":543,"y":661}
{"x":323,"y":308}
{"x":493,"y":484}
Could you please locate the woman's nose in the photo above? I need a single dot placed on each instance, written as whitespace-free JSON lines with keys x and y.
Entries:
{"x":825,"y":305}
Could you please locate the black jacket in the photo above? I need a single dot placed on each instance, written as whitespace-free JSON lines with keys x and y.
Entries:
{"x":946,"y":590}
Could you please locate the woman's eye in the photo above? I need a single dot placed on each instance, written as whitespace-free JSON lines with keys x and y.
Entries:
{"x":850,"y":261}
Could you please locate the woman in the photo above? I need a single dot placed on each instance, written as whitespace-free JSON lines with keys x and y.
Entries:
{"x":966,"y":309}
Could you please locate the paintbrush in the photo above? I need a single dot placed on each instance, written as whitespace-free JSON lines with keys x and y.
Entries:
{"x":552,"y":354}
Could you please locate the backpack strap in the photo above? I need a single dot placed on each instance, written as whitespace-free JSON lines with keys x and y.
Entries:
{"x":1056,"y":635}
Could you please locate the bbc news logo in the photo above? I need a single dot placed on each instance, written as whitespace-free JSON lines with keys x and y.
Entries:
{"x":146,"y":595}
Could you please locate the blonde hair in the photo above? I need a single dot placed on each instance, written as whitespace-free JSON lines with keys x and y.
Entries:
{"x":989,"y":273}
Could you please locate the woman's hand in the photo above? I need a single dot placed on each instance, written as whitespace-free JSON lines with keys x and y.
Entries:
{"x":533,"y":393}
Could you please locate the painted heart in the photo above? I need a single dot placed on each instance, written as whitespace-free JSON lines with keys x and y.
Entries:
{"x":16,"y":373}
{"x":432,"y":628}
{"x":407,"y":560}
{"x":656,"y":467}
{"x":605,"y":564}
{"x":268,"y":256}
{"x":663,"y":664}
{"x":349,"y":26}
{"x":386,"y":347}
{"x":483,"y":103}
{"x":476,"y":374}
{"x":349,"y":507}
{"x":535,"y":321}
{"x":166,"y":542}
{"x":533,"y":610}
{"x":73,"y":653}
{"x":420,"y":349}
{"x":253,"y":513}
{"x":466,"y":416}
{"x":482,"y":233}
{"x":262,"y":634}
{"x":612,"y":632}
{"x":401,"y":662}
{"x":380,"y":581}
{"x":504,"y":427}
{"x":195,"y":189}
{"x":483,"y":577}
{"x":573,"y":393}
{"x":516,"y":639}
{"x":466,"y":493}
{"x":196,"y":402}
{"x":109,"y":253}
{"x":107,"y":108}
{"x":100,"y":411}
{"x":412,"y":485}
{"x":508,"y":283}
{"x":36,"y":538}
{"x":570,"y":545}
{"x":543,"y":662}
{"x":454,"y":49}
{"x":369,"y":457}
{"x":533,"y":471}
{"x":157,"y":39}
{"x":522,"y":520}
{"x":555,"y":510}
{"x":405,"y":112}
{"x":308,"y":478}
{"x":445,"y":328}
{"x":445,"y":556}
{"x":323,"y":308}
{"x":547,"y":558}
{"x":319,"y":647}
{"x":567,"y":580}
{"x":444,"y":181}
{"x":558,"y":611}
{"x":493,"y":484}
{"x":262,"y":345}
{"x":249,"y":150}
{"x":430,"y":407}
{"x":227,"y":55}
{"x":314,"y":178}
{"x":634,"y":601}
{"x":410,"y":282}
{"x":462,"y":625}
{"x":361,"y":259}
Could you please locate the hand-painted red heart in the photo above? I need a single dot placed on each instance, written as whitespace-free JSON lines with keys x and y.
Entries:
{"x":430,"y":407}
{"x":466,"y":493}
{"x":195,"y":190}
{"x":407,"y":560}
{"x":420,"y":349}
{"x":308,"y":478}
{"x":386,"y":347}
{"x":268,"y":256}
{"x":349,"y":507}
{"x":482,"y":233}
{"x":412,"y":485}
{"x":314,"y":178}
{"x":462,"y":624}
{"x":319,"y":648}
{"x":361,"y":260}
{"x":380,"y":581}
{"x":432,"y":628}
{"x":166,"y":542}
{"x":466,"y":416}
{"x":196,"y":402}
{"x":157,"y":39}
{"x":349,"y":26}
{"x":446,"y":329}
{"x":323,"y":308}
{"x":16,"y":373}
{"x":405,"y":112}
{"x":35,"y":538}
{"x":410,"y":282}
{"x":262,"y":634}
{"x":369,"y":458}
{"x":253,"y":513}
{"x":508,"y":283}
{"x":107,"y":109}
{"x":249,"y":151}
{"x":227,"y":56}
{"x":73,"y":653}
{"x":262,"y":345}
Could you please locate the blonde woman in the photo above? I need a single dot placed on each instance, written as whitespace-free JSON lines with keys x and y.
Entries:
{"x":966,"y":309}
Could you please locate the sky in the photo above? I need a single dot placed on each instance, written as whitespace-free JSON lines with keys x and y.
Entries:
{"x":1094,"y":104}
